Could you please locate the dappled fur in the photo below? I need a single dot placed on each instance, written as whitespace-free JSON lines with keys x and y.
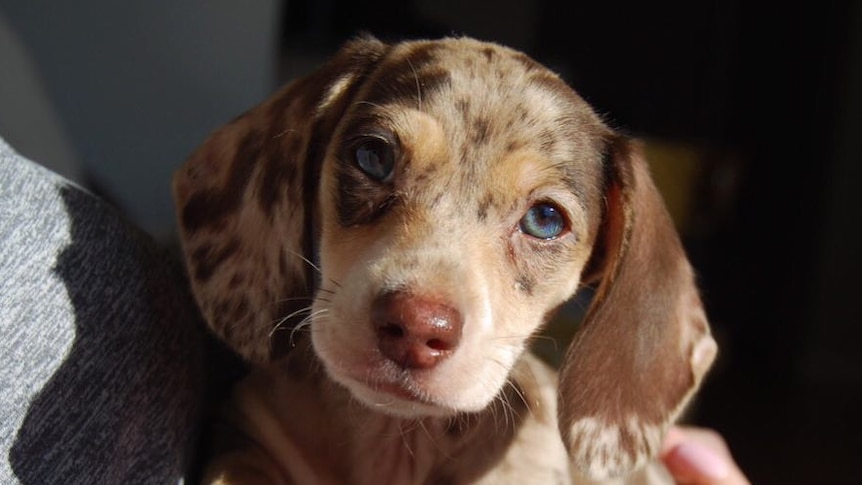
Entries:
{"x":387,"y":315}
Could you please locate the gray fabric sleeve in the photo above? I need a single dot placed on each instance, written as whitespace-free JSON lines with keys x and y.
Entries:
{"x":102,"y":354}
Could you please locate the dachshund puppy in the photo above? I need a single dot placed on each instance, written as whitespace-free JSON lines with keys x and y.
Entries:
{"x":381,"y":239}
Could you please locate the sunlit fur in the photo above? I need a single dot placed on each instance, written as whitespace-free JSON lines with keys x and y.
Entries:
{"x":289,"y":243}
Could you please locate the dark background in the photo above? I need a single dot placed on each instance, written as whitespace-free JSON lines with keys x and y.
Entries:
{"x":767,"y":97}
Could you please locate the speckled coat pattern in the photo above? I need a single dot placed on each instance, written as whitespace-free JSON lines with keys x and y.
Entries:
{"x":382,"y":238}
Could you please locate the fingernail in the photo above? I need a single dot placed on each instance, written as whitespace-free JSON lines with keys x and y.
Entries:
{"x":704,"y":460}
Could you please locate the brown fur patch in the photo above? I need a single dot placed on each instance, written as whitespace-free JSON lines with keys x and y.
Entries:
{"x":206,"y":258}
{"x":211,"y":206}
{"x":280,"y":170}
{"x":408,"y":77}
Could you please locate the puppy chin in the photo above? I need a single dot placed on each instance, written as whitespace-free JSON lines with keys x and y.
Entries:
{"x":398,"y":394}
{"x":396,"y":402}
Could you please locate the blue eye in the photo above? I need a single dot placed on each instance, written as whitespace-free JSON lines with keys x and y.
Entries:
{"x":375,"y":158}
{"x":543,"y":221}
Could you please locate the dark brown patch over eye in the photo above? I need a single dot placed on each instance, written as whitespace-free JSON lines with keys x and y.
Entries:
{"x":365,"y":174}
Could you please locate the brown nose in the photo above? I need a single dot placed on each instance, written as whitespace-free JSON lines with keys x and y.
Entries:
{"x":415,"y":332}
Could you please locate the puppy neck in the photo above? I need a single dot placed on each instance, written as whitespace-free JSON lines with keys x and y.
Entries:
{"x":318,"y":433}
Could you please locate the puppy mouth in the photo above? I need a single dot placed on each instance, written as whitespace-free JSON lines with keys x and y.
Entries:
{"x":398,"y":394}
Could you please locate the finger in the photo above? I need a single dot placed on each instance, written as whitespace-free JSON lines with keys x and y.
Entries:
{"x":677,"y":435}
{"x":700,"y":457}
{"x":694,"y":463}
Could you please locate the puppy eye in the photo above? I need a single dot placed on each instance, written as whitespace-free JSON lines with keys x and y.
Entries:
{"x":543,"y":221}
{"x":375,"y":158}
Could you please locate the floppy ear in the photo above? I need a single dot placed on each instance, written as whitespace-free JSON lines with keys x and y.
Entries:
{"x":645,"y":343}
{"x":246,"y":204}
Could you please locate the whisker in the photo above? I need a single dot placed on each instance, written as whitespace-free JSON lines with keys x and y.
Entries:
{"x":543,"y":337}
{"x":314,"y":266}
{"x":512,"y":413}
{"x":519,"y":392}
{"x":369,"y":103}
{"x":295,"y":313}
{"x":418,"y":86}
{"x":300,"y":256}
{"x":295,"y":298}
{"x":584,"y":303}
{"x":403,"y":435}
{"x":554,"y":342}
{"x":285,"y":132}
{"x":518,"y":337}
{"x":501,"y":406}
{"x":430,"y":437}
{"x":283,"y":320}
{"x":306,"y":322}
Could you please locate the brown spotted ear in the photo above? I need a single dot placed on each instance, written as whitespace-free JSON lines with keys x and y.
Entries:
{"x":246,"y":205}
{"x":645,"y":344}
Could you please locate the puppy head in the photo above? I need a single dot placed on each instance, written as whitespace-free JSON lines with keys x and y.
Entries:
{"x":452,"y":193}
{"x":459,"y":202}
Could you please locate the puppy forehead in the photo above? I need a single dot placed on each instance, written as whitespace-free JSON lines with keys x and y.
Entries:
{"x":471,"y":78}
{"x":450,"y":63}
{"x":484,"y":110}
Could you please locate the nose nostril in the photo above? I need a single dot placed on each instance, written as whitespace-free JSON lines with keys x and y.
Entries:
{"x":437,"y":344}
{"x":392,"y":330}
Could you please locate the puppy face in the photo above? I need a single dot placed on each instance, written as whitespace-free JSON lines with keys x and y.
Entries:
{"x":463,"y":175}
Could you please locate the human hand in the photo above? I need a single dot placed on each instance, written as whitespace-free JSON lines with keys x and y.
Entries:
{"x":699,"y":456}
